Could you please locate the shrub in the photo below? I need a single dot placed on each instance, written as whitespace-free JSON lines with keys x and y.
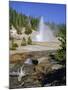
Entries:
{"x":28,"y":30}
{"x":29,"y":41}
{"x":13,"y":48}
{"x":14,"y":45}
{"x":23,"y":42}
{"x":60,"y":55}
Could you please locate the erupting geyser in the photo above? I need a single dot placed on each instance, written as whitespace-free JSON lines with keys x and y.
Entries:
{"x":44,"y":33}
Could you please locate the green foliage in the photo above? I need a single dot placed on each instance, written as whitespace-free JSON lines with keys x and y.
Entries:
{"x":16,"y":20}
{"x":19,"y":20}
{"x":62,"y":37}
{"x":61,"y":53}
{"x":23,"y":42}
{"x":28,"y":30}
{"x":29,"y":41}
{"x":13,"y":48}
{"x":15,"y":45}
{"x":34,"y":23}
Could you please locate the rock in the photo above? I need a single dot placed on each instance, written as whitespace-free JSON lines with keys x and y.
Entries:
{"x":56,"y":66}
{"x":18,"y":57}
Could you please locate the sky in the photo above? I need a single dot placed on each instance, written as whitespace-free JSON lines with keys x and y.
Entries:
{"x":53,"y":13}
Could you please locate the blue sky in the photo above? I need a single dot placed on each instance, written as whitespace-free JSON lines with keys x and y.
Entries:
{"x":51,"y":12}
